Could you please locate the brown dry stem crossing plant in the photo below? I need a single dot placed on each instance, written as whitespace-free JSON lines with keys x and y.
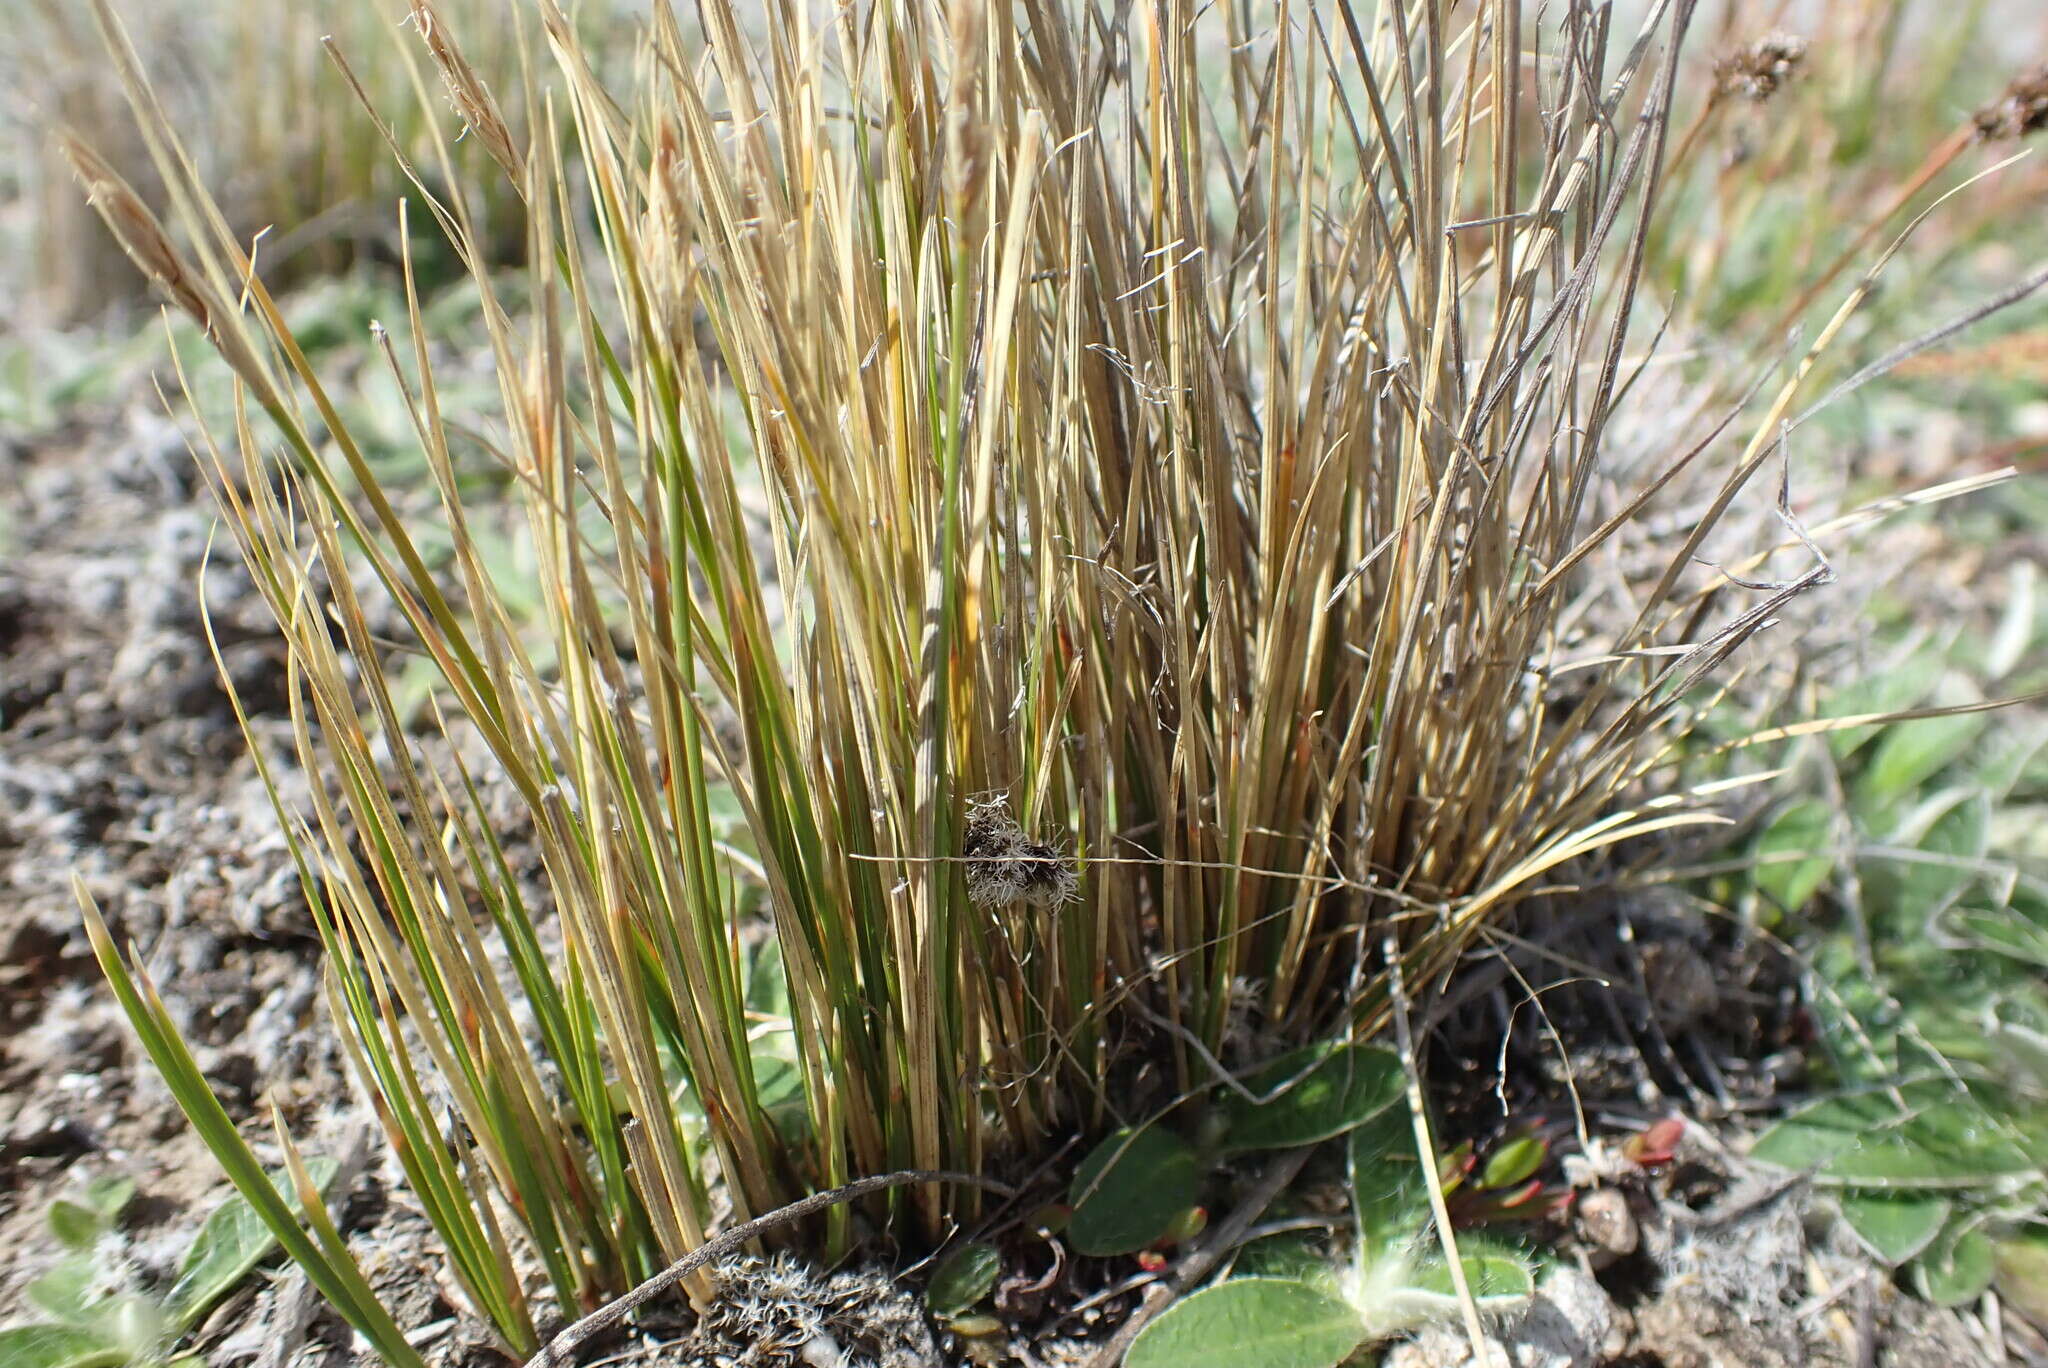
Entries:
{"x":1129,"y":438}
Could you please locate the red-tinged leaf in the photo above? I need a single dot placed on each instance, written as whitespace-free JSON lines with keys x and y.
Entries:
{"x":1454,"y":1165}
{"x":1185,"y":1227}
{"x":1513,"y":1161}
{"x":1521,"y":1197}
{"x":1656,"y":1145}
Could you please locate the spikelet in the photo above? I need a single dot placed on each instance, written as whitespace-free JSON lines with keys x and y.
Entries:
{"x":2021,"y":111}
{"x":467,"y":92}
{"x":142,"y":236}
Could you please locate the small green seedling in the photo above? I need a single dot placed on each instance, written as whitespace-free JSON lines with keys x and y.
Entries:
{"x":98,"y":1319}
{"x":1504,"y":1187}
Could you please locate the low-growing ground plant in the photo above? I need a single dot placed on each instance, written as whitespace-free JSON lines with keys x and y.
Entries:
{"x":1911,"y":871}
{"x":1055,"y":533}
{"x":1293,"y":1311}
{"x":98,"y":1313}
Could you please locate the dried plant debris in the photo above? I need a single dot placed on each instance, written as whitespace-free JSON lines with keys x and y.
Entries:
{"x":780,"y":1314}
{"x":2022,"y":110}
{"x":1005,"y":867}
{"x":1762,"y":69}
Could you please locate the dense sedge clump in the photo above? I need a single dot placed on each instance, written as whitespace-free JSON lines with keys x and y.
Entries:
{"x":1199,"y":436}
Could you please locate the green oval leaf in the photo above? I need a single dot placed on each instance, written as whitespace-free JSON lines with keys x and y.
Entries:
{"x":1894,"y":1228}
{"x":59,"y":1346}
{"x":1290,"y":1254}
{"x":109,"y":1195}
{"x":2003,"y":932}
{"x":231,"y":1243}
{"x":1944,"y":1141}
{"x":1497,"y":1279}
{"x":80,"y":1224}
{"x":1942,"y":838}
{"x":1958,"y":1267}
{"x":1250,"y":1323}
{"x":1882,"y":691}
{"x":963,"y":1278}
{"x":1514,"y":1162}
{"x":1815,"y":1134}
{"x":1389,"y":1198}
{"x":74,"y":1293}
{"x":1906,"y":1160}
{"x":1311,"y":1095}
{"x":1130,"y":1189}
{"x":76,"y":1227}
{"x":1907,"y":756}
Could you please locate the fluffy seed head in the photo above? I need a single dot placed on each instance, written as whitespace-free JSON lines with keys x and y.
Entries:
{"x":1005,"y":867}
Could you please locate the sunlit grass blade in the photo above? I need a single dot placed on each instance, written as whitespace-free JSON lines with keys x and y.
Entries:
{"x":327,"y":1262}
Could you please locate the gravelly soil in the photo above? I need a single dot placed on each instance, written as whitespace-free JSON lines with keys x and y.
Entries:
{"x":120,"y":762}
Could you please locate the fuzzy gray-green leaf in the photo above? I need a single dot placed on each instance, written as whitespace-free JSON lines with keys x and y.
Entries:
{"x":71,"y":1290}
{"x":1958,"y":1267}
{"x":1389,"y":1198}
{"x":1311,"y":1095}
{"x":1496,"y":1278}
{"x":59,"y":1346}
{"x":1894,"y":1228}
{"x":231,"y":1243}
{"x":1250,"y":1323}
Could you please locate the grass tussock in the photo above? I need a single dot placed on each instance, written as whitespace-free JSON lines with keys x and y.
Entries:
{"x":1071,"y":518}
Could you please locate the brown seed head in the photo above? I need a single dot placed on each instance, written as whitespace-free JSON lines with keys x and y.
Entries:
{"x":2022,"y":110}
{"x":1758,"y":71}
{"x":1005,"y":867}
{"x":142,"y":236}
{"x":472,"y":99}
